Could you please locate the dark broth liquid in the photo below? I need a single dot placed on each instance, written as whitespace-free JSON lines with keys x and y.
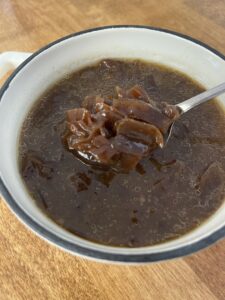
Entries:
{"x":169,"y":193}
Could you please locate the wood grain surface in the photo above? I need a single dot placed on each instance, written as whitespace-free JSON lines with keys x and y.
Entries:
{"x":32,"y":269}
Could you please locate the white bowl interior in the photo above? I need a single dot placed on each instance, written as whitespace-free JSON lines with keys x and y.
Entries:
{"x":72,"y":54}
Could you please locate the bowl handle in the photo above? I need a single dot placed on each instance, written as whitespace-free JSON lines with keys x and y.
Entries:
{"x":11,"y":60}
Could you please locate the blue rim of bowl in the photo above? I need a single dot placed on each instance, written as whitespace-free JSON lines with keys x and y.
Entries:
{"x":91,"y":253}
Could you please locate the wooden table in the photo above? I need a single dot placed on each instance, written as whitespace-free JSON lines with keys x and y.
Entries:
{"x":32,"y":269}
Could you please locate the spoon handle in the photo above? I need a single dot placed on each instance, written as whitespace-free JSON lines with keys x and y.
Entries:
{"x":200,"y":98}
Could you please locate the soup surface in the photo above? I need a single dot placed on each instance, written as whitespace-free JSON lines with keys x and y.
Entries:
{"x":169,"y":193}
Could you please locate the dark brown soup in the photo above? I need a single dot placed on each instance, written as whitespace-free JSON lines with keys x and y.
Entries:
{"x":169,"y":193}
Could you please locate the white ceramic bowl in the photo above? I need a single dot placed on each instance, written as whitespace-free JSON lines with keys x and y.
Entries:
{"x":51,"y":63}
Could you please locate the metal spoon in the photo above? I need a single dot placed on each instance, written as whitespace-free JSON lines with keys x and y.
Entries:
{"x":195,"y":101}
